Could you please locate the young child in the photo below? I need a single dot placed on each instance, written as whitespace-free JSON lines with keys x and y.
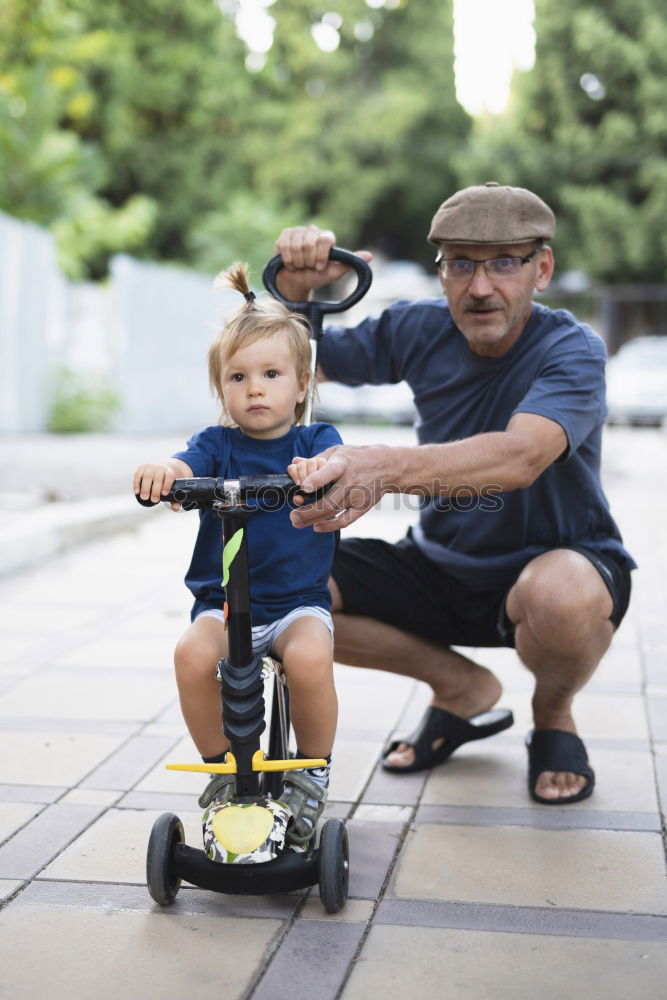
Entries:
{"x":259,"y":368}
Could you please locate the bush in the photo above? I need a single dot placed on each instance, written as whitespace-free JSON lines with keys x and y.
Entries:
{"x":81,"y":403}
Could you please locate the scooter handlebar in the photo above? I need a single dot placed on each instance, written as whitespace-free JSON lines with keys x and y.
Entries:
{"x":203,"y":492}
{"x":315,"y":309}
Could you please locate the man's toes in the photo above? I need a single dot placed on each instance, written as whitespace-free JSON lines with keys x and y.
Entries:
{"x":402,"y":756}
{"x":559,"y":784}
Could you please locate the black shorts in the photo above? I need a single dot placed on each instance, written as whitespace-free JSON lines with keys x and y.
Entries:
{"x":398,"y":585}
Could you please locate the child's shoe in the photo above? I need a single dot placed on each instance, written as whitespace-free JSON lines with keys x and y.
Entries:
{"x":305,"y":798}
{"x":221,"y":788}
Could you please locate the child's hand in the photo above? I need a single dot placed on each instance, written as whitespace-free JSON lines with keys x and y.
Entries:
{"x":301,"y":468}
{"x":154,"y":481}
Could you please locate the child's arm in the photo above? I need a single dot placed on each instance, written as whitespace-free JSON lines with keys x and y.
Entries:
{"x":155,"y":480}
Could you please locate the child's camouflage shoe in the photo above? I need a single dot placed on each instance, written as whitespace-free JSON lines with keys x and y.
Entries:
{"x":220,"y":789}
{"x":305,"y":800}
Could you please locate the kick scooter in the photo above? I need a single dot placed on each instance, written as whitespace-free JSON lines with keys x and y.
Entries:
{"x":244,"y":838}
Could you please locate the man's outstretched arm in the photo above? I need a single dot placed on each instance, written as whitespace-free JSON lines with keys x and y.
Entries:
{"x":503,"y":460}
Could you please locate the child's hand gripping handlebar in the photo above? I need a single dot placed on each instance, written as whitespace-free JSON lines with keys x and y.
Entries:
{"x":203,"y":492}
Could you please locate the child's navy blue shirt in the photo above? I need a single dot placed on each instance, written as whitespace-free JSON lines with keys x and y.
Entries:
{"x":289,"y":567}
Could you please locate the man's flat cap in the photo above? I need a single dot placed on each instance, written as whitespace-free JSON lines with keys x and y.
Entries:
{"x":492,"y":214}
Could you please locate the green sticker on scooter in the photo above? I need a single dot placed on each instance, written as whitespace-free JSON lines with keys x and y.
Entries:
{"x":228,"y":554}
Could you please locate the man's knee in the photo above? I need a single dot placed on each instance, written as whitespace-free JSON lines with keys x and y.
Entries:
{"x":559,"y":590}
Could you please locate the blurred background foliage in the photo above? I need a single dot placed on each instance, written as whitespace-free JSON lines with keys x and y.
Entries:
{"x":147,"y":128}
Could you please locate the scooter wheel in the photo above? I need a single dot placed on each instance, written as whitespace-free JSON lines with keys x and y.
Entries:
{"x":163,"y":881}
{"x":333,"y":865}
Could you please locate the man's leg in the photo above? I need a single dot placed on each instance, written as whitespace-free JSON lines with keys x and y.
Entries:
{"x":459,"y":685}
{"x":560,"y":607}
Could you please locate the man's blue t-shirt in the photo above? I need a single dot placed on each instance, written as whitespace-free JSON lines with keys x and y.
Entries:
{"x":288,"y":567}
{"x":555,"y":369}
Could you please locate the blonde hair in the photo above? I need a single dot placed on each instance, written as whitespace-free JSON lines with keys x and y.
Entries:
{"x":255,"y":321}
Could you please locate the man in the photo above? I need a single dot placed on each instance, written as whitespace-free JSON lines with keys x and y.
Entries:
{"x":516,"y":545}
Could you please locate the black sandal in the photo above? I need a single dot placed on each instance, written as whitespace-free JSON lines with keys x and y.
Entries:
{"x":557,"y":750}
{"x":438,"y":724}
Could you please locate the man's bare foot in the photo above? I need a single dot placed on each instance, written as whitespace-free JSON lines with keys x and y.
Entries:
{"x":482,"y":694}
{"x":557,"y":784}
{"x":554,"y":785}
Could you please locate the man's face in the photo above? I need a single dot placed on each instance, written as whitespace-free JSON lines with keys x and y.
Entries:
{"x":491,"y":312}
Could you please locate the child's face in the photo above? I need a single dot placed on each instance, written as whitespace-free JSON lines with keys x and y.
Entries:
{"x":261,"y":388}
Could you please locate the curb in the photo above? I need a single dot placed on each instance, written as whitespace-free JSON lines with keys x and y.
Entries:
{"x":56,"y":529}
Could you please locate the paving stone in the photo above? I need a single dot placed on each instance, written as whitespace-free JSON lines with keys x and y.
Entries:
{"x":31,"y":793}
{"x":121,"y":652}
{"x":113,"y":849}
{"x":655,"y":665}
{"x":468,"y":965}
{"x":657,"y":710}
{"x":488,"y":774}
{"x":43,"y":758}
{"x":585,"y":869}
{"x":598,"y":715}
{"x":14,"y":815}
{"x":99,"y":694}
{"x":382,"y":814}
{"x":354,"y":911}
{"x":130,"y":762}
{"x":395,"y":789}
{"x":522,"y":919}
{"x":8,"y":887}
{"x":372,"y":848}
{"x":158,"y":779}
{"x":313,"y":959}
{"x":359,"y":702}
{"x":36,"y":844}
{"x":575,"y":817}
{"x":353,"y":762}
{"x":130,"y":954}
{"x":105,"y":896}
{"x":90,"y":797}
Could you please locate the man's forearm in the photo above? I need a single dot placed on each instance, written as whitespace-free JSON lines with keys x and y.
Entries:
{"x":496,"y":459}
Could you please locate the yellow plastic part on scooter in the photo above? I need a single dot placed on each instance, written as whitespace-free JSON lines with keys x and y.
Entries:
{"x":259,"y":763}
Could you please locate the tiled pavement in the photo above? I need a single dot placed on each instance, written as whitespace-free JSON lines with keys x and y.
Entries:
{"x":460,"y":887}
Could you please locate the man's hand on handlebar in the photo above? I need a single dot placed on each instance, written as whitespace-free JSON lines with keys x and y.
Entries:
{"x":361,"y":476}
{"x":305,"y":254}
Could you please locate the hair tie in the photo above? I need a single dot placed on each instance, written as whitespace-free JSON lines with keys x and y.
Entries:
{"x":249,"y":297}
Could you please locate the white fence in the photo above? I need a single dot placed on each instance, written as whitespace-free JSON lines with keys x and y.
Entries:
{"x":146,"y":331}
{"x":33,"y":297}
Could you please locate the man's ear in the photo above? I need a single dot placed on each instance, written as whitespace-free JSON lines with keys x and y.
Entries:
{"x":545,"y":269}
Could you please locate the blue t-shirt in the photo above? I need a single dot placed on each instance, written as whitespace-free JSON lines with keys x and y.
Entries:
{"x":555,"y":369}
{"x":288,"y":567}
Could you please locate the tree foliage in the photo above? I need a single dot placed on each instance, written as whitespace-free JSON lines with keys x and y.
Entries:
{"x":587,"y":131}
{"x":137,"y":126}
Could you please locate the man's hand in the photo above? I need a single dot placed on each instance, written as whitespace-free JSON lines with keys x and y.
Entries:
{"x":362,"y":475}
{"x":305,"y":254}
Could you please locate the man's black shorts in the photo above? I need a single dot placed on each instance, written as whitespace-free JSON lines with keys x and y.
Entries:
{"x":397,"y":584}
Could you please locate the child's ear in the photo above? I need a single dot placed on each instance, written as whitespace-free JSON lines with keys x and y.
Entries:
{"x":303,"y":389}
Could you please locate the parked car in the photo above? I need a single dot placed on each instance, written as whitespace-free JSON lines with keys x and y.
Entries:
{"x":637,"y":382}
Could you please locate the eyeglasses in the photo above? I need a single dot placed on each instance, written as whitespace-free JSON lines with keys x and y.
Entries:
{"x":495,"y":267}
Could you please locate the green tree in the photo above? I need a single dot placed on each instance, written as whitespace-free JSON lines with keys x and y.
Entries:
{"x":146,"y":127}
{"x":363,"y":135}
{"x":587,"y":131}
